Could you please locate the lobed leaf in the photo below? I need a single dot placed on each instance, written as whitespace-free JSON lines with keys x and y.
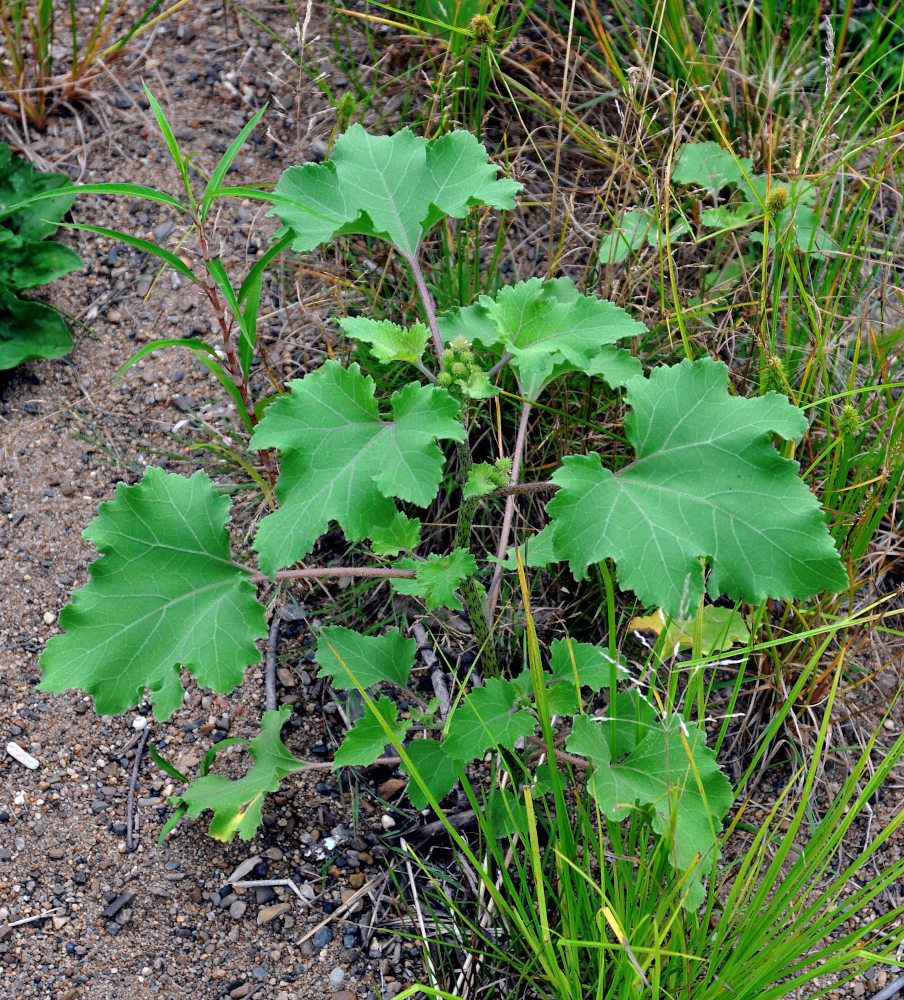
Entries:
{"x":710,"y":166}
{"x":343,"y":461}
{"x":437,"y":579}
{"x":706,"y":484}
{"x":436,"y":769}
{"x":164,"y":593}
{"x":548,"y":327}
{"x":237,"y":805}
{"x":672,"y":774}
{"x":367,"y":739}
{"x":488,"y":717}
{"x":388,"y":340}
{"x":343,"y":654}
{"x":395,"y":187}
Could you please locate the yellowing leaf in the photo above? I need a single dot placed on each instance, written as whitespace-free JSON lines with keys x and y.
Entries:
{"x":722,"y":628}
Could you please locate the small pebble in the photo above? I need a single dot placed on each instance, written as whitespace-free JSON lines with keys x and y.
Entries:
{"x":337,"y":977}
{"x":322,"y":938}
{"x":49,"y":617}
{"x":237,"y":909}
{"x":22,"y":756}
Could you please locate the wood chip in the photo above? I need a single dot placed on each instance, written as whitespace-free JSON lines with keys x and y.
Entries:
{"x":243,"y":869}
{"x":267,"y":913}
{"x":22,"y":756}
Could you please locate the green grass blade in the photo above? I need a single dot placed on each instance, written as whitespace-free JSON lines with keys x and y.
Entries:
{"x":176,"y":263}
{"x":219,"y":171}
{"x":171,"y":144}
{"x":194,"y":343}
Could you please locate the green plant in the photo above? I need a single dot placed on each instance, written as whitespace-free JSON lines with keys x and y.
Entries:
{"x":33,"y":83}
{"x":30,"y":329}
{"x":707,"y":506}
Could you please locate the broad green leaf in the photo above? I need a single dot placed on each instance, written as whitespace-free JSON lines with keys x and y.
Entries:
{"x":343,"y":461}
{"x":576,"y":665}
{"x":628,"y":235}
{"x":32,"y":202}
{"x":388,"y":340}
{"x":437,"y":578}
{"x":368,"y":738}
{"x":543,"y":324}
{"x":401,"y":533}
{"x":672,"y":774}
{"x":237,"y":804}
{"x":395,"y":187}
{"x":660,"y":235}
{"x":370,"y":659}
{"x":164,"y":593}
{"x":487,"y":718}
{"x":34,"y":263}
{"x":707,"y":484}
{"x":29,"y":330}
{"x":708,"y":165}
{"x":721,"y":629}
{"x":436,"y":769}
{"x":726,"y":218}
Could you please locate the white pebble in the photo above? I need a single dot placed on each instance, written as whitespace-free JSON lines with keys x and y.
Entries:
{"x":139,"y":722}
{"x":387,"y":821}
{"x":49,"y":617}
{"x":22,"y":756}
{"x":337,"y":977}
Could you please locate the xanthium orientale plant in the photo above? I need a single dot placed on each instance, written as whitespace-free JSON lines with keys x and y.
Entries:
{"x":752,"y":199}
{"x":30,"y":329}
{"x":708,"y":506}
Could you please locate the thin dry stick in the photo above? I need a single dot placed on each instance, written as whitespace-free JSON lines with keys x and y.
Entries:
{"x":131,"y":843}
{"x":508,"y":515}
{"x":345,"y":907}
{"x":270,"y":662}
{"x":555,"y":173}
{"x":431,"y":968}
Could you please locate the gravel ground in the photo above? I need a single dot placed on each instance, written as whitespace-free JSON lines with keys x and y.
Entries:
{"x":81,"y":915}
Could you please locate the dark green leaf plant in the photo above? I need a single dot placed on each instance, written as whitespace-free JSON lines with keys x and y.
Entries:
{"x":707,"y":507}
{"x":30,"y":329}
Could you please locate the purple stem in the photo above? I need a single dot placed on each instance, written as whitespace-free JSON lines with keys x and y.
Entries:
{"x":507,"y":517}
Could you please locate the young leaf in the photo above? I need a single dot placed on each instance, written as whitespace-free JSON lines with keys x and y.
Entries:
{"x":671,"y":773}
{"x":343,"y":654}
{"x":706,"y":483}
{"x":708,"y":165}
{"x":395,"y":187}
{"x":237,"y":804}
{"x":437,"y":578}
{"x":388,"y":341}
{"x":165,"y":592}
{"x":436,"y":768}
{"x":487,"y":718}
{"x":543,"y":324}
{"x":483,"y":478}
{"x":367,"y":739}
{"x":400,"y":533}
{"x":343,"y":461}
